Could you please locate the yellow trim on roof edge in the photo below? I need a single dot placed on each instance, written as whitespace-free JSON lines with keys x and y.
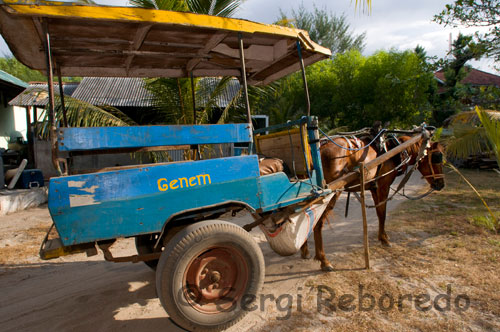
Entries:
{"x":61,"y":10}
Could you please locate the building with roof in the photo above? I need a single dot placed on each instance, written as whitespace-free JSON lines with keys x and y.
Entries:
{"x":12,"y":119}
{"x":130,"y":95}
{"x":474,"y":77}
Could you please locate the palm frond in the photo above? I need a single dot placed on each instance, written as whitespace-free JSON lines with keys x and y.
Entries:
{"x":466,"y":140}
{"x":232,"y":104}
{"x":175,"y":5}
{"x":86,"y":2}
{"x":472,"y":117}
{"x":82,"y":114}
{"x":365,"y":5}
{"x":224,"y":8}
{"x":491,"y":126}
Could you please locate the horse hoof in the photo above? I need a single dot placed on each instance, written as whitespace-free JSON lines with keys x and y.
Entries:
{"x":386,"y":244}
{"x":306,"y":256}
{"x":327,"y":268}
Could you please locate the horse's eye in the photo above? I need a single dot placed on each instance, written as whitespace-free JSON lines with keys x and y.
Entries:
{"x":436,"y":158}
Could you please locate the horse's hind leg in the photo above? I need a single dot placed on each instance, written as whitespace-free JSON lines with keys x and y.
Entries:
{"x":304,"y":251}
{"x":318,"y":238}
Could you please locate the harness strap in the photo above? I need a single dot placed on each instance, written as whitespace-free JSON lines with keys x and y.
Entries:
{"x":348,"y":142}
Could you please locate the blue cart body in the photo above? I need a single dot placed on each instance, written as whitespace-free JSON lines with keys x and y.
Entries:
{"x":142,"y":199}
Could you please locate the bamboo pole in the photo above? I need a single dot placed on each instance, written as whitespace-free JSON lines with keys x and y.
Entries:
{"x":362,"y":174}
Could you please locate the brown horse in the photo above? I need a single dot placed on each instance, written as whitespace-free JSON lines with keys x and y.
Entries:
{"x":338,"y":161}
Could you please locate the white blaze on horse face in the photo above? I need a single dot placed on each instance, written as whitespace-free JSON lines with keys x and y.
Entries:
{"x":427,"y":147}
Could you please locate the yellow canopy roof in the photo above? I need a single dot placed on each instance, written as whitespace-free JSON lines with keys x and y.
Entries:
{"x":136,"y":42}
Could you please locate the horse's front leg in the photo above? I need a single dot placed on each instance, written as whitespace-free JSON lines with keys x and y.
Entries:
{"x":318,"y":238}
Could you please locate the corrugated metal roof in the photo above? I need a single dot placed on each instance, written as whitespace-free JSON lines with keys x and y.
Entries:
{"x":114,"y":91}
{"x":206,"y":87}
{"x":36,"y":94}
{"x":6,"y":77}
{"x":123,"y":92}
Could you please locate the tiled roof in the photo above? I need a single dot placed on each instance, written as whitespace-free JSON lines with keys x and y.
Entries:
{"x":474,"y":77}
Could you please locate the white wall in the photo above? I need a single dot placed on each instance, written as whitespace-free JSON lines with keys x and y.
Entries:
{"x":20,"y":124}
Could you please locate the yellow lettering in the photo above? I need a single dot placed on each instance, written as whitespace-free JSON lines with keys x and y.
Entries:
{"x":186,"y":180}
{"x":191,"y":179}
{"x":198,"y":180}
{"x":162,"y":186}
{"x":204,"y":176}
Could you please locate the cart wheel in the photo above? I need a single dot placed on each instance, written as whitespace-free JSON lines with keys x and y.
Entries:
{"x":145,"y":244}
{"x":205,"y":272}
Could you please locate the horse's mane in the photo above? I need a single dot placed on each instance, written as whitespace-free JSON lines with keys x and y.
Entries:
{"x":412,"y":150}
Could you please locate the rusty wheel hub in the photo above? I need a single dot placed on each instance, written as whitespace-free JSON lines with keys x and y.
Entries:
{"x":215,"y":279}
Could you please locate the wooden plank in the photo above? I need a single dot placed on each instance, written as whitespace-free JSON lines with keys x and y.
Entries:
{"x":105,"y":138}
{"x":139,"y":37}
{"x":253,"y":52}
{"x":349,"y":177}
{"x":212,"y":42}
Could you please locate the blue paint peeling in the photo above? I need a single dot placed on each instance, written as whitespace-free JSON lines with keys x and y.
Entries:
{"x":128,"y":202}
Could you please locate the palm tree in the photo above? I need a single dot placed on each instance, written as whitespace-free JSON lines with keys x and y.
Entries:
{"x":365,"y":5}
{"x":175,"y":95}
{"x":474,"y":132}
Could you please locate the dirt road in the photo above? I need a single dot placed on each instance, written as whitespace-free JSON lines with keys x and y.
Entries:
{"x":77,"y":293}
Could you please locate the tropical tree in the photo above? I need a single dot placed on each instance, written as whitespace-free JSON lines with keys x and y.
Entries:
{"x":12,"y":66}
{"x":174,"y":96}
{"x":224,"y":8}
{"x":477,"y":13}
{"x":325,"y":28}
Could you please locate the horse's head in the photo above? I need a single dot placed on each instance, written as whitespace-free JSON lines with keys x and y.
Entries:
{"x":431,"y":166}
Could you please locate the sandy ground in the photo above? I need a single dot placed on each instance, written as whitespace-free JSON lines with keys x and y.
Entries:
{"x":78,"y":293}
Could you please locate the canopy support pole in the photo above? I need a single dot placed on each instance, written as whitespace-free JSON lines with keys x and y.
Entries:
{"x":61,"y":95}
{"x":304,"y":79}
{"x":197,"y":149}
{"x":50,"y":85}
{"x":244,"y":78}
{"x":194,"y":100}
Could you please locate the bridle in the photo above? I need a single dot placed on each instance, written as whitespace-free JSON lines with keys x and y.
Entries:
{"x":434,"y":157}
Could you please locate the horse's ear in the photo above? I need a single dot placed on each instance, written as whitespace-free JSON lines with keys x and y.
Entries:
{"x":377,"y":124}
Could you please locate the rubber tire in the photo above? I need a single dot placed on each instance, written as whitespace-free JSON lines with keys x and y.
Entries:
{"x":179,"y":252}
{"x":145,"y":245}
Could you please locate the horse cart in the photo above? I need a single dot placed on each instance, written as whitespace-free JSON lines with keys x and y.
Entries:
{"x":207,"y":269}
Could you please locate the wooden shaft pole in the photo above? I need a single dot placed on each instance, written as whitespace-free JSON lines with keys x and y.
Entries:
{"x":362,"y":173}
{"x":349,"y":177}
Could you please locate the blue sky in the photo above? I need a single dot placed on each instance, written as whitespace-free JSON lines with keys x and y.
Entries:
{"x":392,"y":23}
